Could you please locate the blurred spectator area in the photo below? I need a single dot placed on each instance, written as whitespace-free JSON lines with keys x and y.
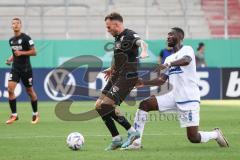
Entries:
{"x":84,"y":19}
{"x":214,"y":11}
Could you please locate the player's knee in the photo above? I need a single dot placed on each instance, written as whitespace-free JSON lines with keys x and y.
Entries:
{"x":193,"y":138}
{"x":144,"y":106}
{"x":33,"y":97}
{"x":10,"y":91}
{"x":105,"y":110}
{"x":117,"y":112}
{"x":98,"y":104}
{"x":31,"y":93}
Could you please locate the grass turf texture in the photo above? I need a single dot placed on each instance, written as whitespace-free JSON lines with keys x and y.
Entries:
{"x":163,"y":138}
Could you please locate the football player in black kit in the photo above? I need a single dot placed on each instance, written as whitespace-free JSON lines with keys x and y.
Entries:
{"x":22,"y":48}
{"x":122,"y":77}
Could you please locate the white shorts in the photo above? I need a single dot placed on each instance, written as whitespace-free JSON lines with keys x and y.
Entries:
{"x":188,"y":113}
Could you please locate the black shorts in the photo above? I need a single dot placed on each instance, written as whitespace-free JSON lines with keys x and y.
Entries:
{"x":25,"y":75}
{"x":118,"y":87}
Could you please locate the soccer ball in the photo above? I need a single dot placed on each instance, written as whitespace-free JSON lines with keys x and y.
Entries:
{"x":75,"y":141}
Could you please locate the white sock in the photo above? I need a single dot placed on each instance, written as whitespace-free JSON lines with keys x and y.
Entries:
{"x":131,"y":130}
{"x":117,"y":138}
{"x":34,"y":113}
{"x":138,"y":141}
{"x":206,"y":136}
{"x":14,"y":114}
{"x":139,"y":122}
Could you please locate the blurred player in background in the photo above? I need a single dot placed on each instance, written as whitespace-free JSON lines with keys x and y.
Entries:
{"x":122,"y":77}
{"x":200,"y":55}
{"x":164,"y":53}
{"x":184,"y":98}
{"x":22,"y":48}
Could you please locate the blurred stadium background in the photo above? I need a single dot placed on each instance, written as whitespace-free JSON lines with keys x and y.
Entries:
{"x":64,"y":29}
{"x":83,"y":19}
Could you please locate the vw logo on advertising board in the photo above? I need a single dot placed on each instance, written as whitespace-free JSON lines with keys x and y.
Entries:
{"x":59,"y":84}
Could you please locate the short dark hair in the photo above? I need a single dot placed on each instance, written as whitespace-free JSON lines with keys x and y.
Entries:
{"x":17,"y":19}
{"x":179,"y":30}
{"x":200,"y":45}
{"x":114,"y":16}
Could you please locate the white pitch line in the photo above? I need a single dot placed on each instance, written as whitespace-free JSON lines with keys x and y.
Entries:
{"x":58,"y":136}
{"x":221,"y":102}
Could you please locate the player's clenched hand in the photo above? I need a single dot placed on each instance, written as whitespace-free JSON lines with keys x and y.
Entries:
{"x":18,"y":53}
{"x":108,"y":73}
{"x":8,"y":62}
{"x":139,"y":83}
{"x":144,"y":54}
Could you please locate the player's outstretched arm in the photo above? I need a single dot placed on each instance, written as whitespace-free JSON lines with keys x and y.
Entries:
{"x":184,"y":61}
{"x":31,"y":52}
{"x":154,"y":82}
{"x":144,"y":46}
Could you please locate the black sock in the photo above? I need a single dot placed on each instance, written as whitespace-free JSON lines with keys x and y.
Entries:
{"x":121,"y":120}
{"x":105,"y":113}
{"x":34,"y":106}
{"x":12,"y":104}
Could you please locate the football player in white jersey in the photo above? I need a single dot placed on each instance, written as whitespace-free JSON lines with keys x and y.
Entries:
{"x":184,"y":98}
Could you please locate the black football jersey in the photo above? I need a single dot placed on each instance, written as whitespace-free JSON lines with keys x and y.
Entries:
{"x":21,"y":43}
{"x":126,"y":52}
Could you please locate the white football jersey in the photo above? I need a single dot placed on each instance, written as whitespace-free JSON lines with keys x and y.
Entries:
{"x":184,"y":78}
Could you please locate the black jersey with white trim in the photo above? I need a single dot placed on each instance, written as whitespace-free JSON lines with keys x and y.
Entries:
{"x":126,"y":52}
{"x":21,"y":43}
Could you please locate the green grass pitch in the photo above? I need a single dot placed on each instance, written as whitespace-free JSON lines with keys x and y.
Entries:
{"x":163,"y":138}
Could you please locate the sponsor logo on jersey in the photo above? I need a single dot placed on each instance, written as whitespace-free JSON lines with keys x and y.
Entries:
{"x":175,"y":70}
{"x":19,"y":41}
{"x":16,"y":48}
